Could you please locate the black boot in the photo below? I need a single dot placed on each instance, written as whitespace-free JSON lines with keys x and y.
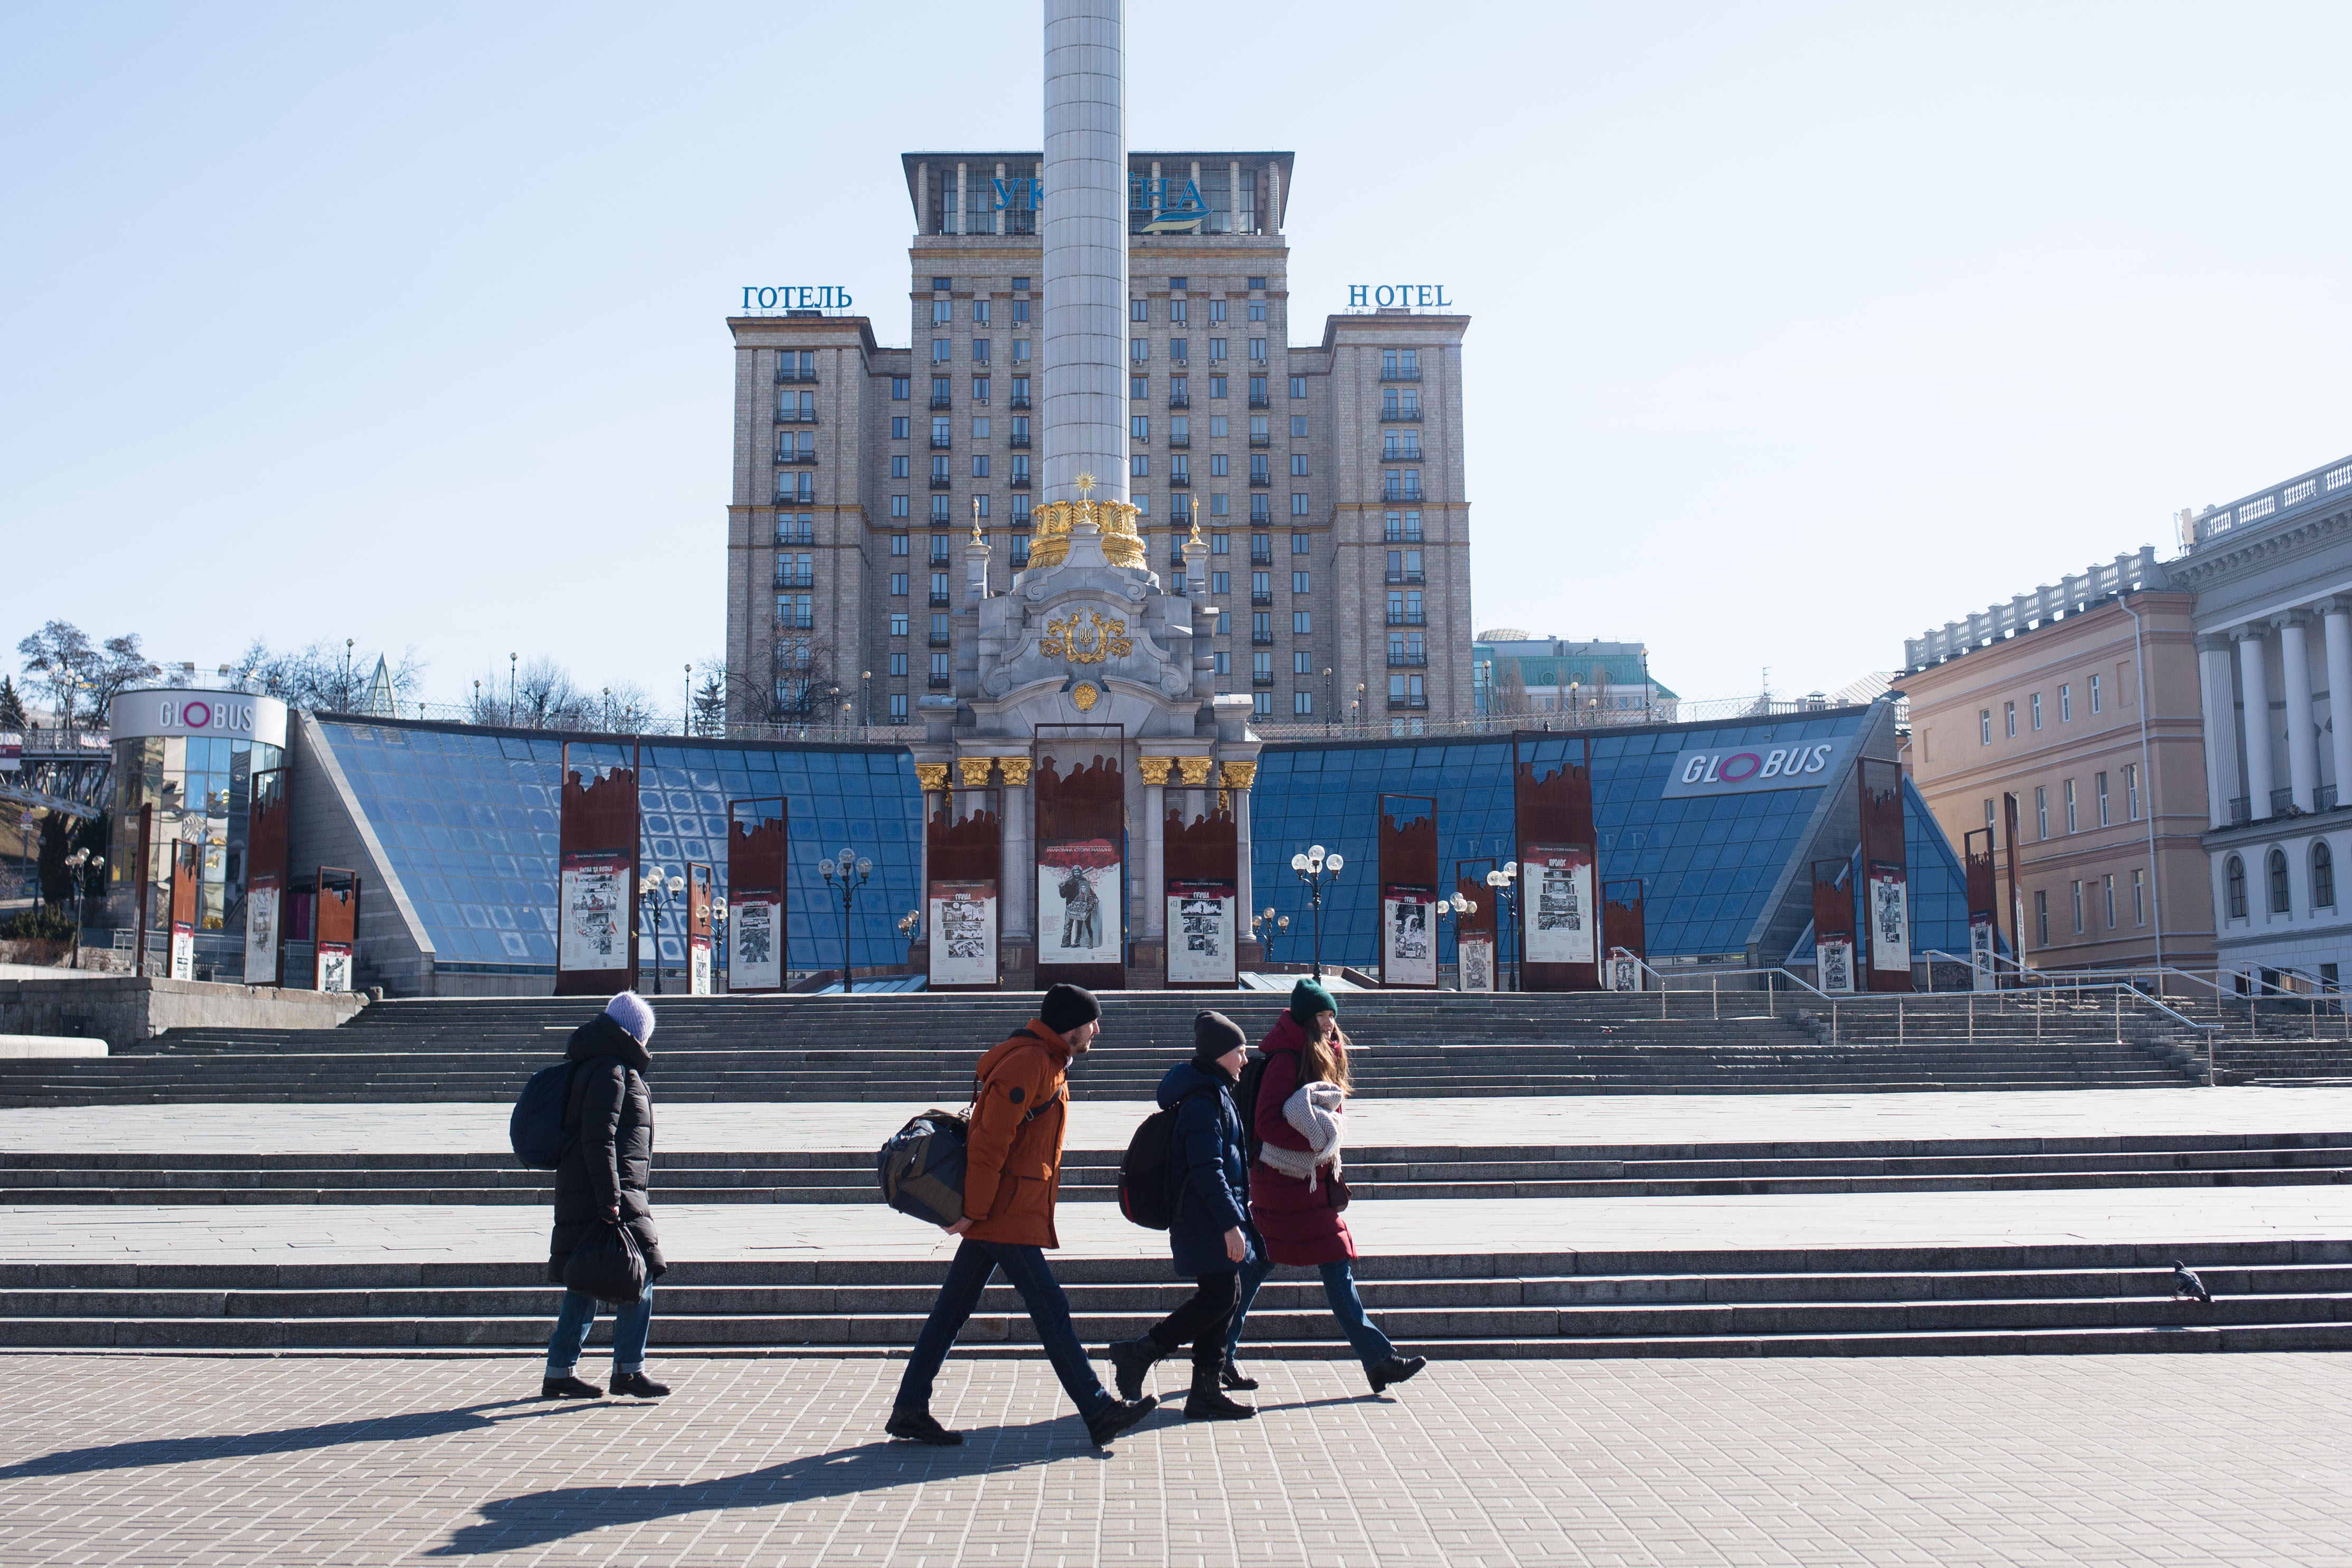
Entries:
{"x":1396,"y":1369}
{"x":1119,"y":1418}
{"x":639,"y":1385}
{"x":917,"y":1427}
{"x":568,"y":1387}
{"x":1208,"y":1402}
{"x":1230,"y":1376}
{"x":1129,"y":1359}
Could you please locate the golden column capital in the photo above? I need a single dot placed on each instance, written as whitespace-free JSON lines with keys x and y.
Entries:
{"x":1239,"y":775}
{"x":974,"y":770}
{"x":1154,"y":769}
{"x":931,"y":775}
{"x":1017,"y":771}
{"x":1195,"y":770}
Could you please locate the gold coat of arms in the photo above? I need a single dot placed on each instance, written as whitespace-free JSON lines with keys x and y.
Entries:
{"x":1085,"y":637}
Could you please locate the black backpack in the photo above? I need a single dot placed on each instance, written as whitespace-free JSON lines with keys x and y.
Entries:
{"x":1148,"y":1172}
{"x":921,"y":1165}
{"x":535,"y":1130}
{"x":1245,"y":1100}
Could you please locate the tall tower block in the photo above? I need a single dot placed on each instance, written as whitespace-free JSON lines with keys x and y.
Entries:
{"x":1086,"y":247}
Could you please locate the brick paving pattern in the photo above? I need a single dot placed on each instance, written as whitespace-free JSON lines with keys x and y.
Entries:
{"x":2112,"y":1459}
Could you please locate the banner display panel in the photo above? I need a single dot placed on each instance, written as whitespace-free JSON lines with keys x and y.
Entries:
{"x":1890,"y":918}
{"x":963,"y":933}
{"x":183,"y":951}
{"x":1833,"y":956}
{"x":1559,"y":904}
{"x":1078,"y":902}
{"x":261,"y":901}
{"x":1201,"y":947}
{"x":755,"y":958}
{"x":1981,"y":973}
{"x":699,"y":968}
{"x":1624,"y":972}
{"x":1408,"y":946}
{"x":593,"y":911}
{"x":1476,"y":957}
{"x":332,"y":967}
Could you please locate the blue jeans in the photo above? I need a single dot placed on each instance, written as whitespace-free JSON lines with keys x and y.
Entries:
{"x":630,"y":1327}
{"x":1371,"y":1346}
{"x":1024,"y":1269}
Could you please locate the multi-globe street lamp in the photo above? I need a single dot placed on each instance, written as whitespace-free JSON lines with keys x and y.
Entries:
{"x":1506,"y":885}
{"x":659,"y":892}
{"x":849,"y":873}
{"x":1265,"y":925}
{"x":83,"y":865}
{"x":1457,"y":906}
{"x":1317,"y":870}
{"x":718,"y":940}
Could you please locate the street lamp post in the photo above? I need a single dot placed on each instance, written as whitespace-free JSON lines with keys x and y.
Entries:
{"x":686,"y":714}
{"x":853,"y":873}
{"x":719,"y":938}
{"x":1457,"y":906}
{"x":511,"y":688}
{"x":1317,"y":870}
{"x":1331,"y":708}
{"x":1506,"y":885}
{"x":660,"y":893}
{"x":82,"y":864}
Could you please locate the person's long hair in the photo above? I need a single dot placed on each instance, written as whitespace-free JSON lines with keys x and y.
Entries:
{"x":1324,"y":1058}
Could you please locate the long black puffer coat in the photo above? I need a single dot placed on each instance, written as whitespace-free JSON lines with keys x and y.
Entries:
{"x":608,"y":1156}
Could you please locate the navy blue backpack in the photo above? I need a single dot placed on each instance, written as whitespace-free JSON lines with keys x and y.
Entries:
{"x":536,"y":1128}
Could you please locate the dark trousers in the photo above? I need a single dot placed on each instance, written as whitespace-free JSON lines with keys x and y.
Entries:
{"x":1201,"y":1320}
{"x":1024,"y":1268}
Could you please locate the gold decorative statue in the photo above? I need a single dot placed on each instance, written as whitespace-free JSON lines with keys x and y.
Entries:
{"x":1085,"y":637}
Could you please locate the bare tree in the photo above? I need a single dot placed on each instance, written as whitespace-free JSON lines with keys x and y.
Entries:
{"x":321,"y":676}
{"x":801,"y":688}
{"x":546,"y":697}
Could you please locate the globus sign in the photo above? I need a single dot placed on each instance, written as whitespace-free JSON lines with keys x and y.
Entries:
{"x":235,"y":715}
{"x":1742,"y":770}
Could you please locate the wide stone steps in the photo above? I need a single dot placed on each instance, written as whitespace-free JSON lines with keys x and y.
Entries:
{"x":1893,"y":1302}
{"x":1431,"y":1172}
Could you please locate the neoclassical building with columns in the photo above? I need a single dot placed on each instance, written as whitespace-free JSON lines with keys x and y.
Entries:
{"x":2273,"y":577}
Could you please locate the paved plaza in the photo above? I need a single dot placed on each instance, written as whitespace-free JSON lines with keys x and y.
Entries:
{"x":2124,"y":1459}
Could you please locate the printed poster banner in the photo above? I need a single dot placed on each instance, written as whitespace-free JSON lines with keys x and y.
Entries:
{"x":963,"y":933}
{"x":1201,"y":941}
{"x":1560,"y":915}
{"x":261,"y":901}
{"x":1890,"y":918}
{"x":593,"y":910}
{"x":1475,"y":956}
{"x":755,"y":961}
{"x":698,"y":967}
{"x":1407,"y":945}
{"x":184,"y":953}
{"x":12,"y":750}
{"x":1833,"y":957}
{"x":1622,"y":973}
{"x":1077,"y":903}
{"x":1983,"y":973}
{"x":332,"y":967}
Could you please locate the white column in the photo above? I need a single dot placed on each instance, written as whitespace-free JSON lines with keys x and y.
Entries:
{"x":1244,"y":893}
{"x":1085,"y":373}
{"x":1233,"y":196}
{"x":962,"y":223}
{"x":1155,"y":859}
{"x":1020,"y":875}
{"x":2254,"y":692}
{"x":996,"y":215}
{"x":2214,"y":692}
{"x":2302,"y":730}
{"x":2336,"y":621}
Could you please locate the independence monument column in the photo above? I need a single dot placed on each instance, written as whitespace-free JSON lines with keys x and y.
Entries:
{"x":1086,"y":247}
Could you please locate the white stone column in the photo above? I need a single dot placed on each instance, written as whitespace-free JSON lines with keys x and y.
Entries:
{"x":2302,"y":729}
{"x":2215,"y":692}
{"x":1233,"y":196}
{"x":2254,"y":692}
{"x":962,"y":223}
{"x":2336,"y":621}
{"x":1020,"y":874}
{"x":1085,"y":370}
{"x":1244,"y":893}
{"x":1154,"y":880}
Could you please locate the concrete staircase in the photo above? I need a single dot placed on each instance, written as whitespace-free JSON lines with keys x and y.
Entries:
{"x":2070,"y":1298}
{"x":914,"y":1047}
{"x":1431,"y":1172}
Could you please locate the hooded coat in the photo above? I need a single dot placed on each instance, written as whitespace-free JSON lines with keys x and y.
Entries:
{"x":1213,"y":1168}
{"x":1298,"y":1222}
{"x":1013,"y":1159}
{"x":608,"y":1154}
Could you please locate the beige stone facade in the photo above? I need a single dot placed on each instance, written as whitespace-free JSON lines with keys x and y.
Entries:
{"x":1328,"y":477}
{"x":2111,"y":788}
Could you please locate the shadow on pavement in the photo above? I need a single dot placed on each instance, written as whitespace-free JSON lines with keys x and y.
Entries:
{"x":285,"y":1440}
{"x":540,"y":1519}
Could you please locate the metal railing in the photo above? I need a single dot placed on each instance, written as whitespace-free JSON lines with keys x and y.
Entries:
{"x":2071,"y":595}
{"x":1412,"y":373}
{"x":1390,"y":412}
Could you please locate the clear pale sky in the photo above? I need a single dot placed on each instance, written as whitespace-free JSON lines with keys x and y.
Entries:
{"x":1795,"y":328}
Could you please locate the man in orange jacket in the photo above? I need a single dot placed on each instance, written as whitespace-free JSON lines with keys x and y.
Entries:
{"x":1011,"y":1176}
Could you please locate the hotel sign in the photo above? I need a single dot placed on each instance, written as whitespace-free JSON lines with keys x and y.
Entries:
{"x":1745,"y":770}
{"x":797,"y":297}
{"x":1426,"y":296}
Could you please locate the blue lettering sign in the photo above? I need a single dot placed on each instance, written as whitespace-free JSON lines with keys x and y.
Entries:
{"x":1027,"y":195}
{"x":797,"y":297}
{"x":1426,"y":295}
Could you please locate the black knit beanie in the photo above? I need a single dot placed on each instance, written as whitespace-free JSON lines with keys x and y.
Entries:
{"x":1213,"y":1035}
{"x":1066,"y":1006}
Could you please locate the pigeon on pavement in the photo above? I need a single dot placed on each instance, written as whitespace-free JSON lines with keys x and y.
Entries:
{"x":2185,"y":1284}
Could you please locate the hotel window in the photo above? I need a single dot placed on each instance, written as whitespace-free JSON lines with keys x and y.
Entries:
{"x":897,"y":706}
{"x":1216,"y":311}
{"x":1297,"y":465}
{"x":941,"y":285}
{"x":940,"y":671}
{"x":1020,"y":315}
{"x":1262,"y":667}
{"x":2101,"y":783}
{"x":1302,"y":544}
{"x":2280,"y":903}
{"x":1298,"y":427}
{"x":1180,"y":349}
{"x":1138,"y":388}
{"x":1139,"y":465}
{"x":1299,"y":581}
{"x":2036,"y":701}
{"x":2131,"y":791}
{"x":1219,"y":466}
{"x":1302,"y":663}
{"x":1257,"y":349}
{"x":1221,"y":583}
{"x":1021,"y":347}
{"x":898,"y":664}
{"x":980,"y":464}
{"x":1221,"y":544}
{"x":898,"y":545}
{"x":1020,"y":551}
{"x":1139,"y":427}
{"x":1261,"y":625}
{"x":1302,"y":703}
{"x":1257,"y":306}
{"x":1138,"y":309}
{"x":897,"y":506}
{"x":898,"y":431}
{"x":1138,"y":349}
{"x":898,"y":584}
{"x":1257,"y":282}
{"x":2233,"y":882}
{"x":1297,"y":389}
{"x":2078,"y":906}
{"x":1216,"y":354}
{"x":980,"y":313}
{"x":1298,"y":503}
{"x":942,"y":385}
{"x":2095,"y":694}
{"x":2107,"y":890}
{"x":901,"y":388}
{"x":2139,"y":897}
{"x":2071,"y":824}
{"x":1302,"y":623}
{"x":2009,"y":718}
{"x":1218,"y":506}
{"x":899,"y":625}
{"x":1261,"y":703}
{"x":979,"y":389}
{"x":939,"y":468}
{"x":942,"y":312}
{"x":943,"y":350}
{"x":2065,"y":702}
{"x":2040,"y":917}
{"x":2322,"y":876}
{"x":2041,"y":810}
{"x":1984,"y":726}
{"x":1217,"y":389}
{"x":1178,"y":310}
{"x":1224,"y":659}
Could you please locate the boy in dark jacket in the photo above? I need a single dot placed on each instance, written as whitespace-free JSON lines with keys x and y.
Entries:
{"x":1209,"y":1234}
{"x":608,"y":1155}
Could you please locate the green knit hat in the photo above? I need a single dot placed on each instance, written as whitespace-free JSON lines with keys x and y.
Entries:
{"x":1307,"y":998}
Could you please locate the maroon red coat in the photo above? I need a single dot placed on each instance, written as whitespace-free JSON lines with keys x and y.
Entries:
{"x":1300,"y":1226}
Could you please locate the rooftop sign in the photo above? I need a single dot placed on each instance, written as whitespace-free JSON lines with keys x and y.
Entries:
{"x":1426,"y":295}
{"x":797,"y":297}
{"x":230,"y":715}
{"x":1745,"y":770}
